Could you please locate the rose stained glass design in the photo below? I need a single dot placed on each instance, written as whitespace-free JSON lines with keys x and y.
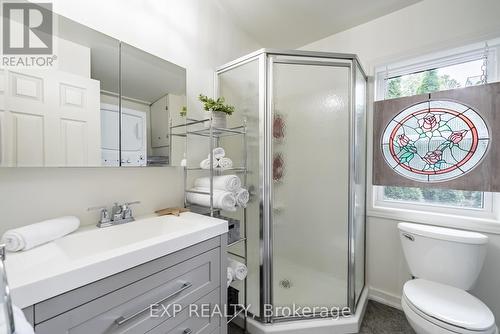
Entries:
{"x":435,"y":141}
{"x":278,"y":167}
{"x":278,"y":127}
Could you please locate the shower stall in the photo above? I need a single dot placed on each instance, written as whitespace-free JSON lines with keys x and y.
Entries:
{"x":306,"y":155}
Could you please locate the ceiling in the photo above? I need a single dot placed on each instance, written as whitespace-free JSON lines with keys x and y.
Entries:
{"x":295,"y":23}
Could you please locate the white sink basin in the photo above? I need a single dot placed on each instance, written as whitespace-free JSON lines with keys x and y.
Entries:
{"x":93,"y":241}
{"x":93,"y":253}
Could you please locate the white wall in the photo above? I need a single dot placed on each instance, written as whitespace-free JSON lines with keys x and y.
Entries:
{"x":416,"y":30}
{"x":194,"y":34}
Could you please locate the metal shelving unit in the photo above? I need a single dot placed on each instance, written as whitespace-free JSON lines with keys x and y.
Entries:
{"x":214,"y":135}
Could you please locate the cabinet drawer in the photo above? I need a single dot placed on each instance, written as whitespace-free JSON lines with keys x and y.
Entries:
{"x":75,"y":298}
{"x":127,"y":310}
{"x":194,"y":323}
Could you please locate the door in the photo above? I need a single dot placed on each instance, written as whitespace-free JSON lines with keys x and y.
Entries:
{"x":48,"y":118}
{"x":309,"y":131}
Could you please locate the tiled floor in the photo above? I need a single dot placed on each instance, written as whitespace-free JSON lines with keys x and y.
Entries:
{"x":233,"y":329}
{"x":379,"y":319}
{"x":382,"y":319}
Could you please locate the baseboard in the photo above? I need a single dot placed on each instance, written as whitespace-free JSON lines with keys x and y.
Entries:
{"x":384,"y":297}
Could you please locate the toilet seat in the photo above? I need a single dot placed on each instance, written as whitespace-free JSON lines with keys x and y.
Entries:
{"x":451,"y":309}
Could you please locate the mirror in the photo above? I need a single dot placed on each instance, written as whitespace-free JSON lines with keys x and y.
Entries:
{"x":153,"y":93}
{"x":71,"y":114}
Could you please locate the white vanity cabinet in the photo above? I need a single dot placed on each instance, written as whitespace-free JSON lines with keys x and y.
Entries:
{"x":189,"y":279}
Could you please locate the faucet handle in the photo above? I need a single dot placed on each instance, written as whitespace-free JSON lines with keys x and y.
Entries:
{"x":127,"y":211}
{"x":104,"y":218}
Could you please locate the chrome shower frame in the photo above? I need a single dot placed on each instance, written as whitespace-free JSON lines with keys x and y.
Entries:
{"x":266,"y":59}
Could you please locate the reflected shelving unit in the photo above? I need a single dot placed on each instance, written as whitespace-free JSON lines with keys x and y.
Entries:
{"x":214,"y":136}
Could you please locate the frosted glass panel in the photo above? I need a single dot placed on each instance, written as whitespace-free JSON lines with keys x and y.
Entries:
{"x":359,"y":183}
{"x":240,"y":87}
{"x":310,"y":185}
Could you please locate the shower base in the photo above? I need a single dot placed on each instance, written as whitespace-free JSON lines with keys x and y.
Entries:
{"x":302,"y":284}
{"x":342,"y":325}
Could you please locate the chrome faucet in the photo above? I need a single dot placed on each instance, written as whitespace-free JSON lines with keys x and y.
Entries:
{"x":120,"y":214}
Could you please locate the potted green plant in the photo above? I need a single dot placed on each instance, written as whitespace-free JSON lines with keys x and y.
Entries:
{"x":183,"y":111}
{"x":218,"y":109}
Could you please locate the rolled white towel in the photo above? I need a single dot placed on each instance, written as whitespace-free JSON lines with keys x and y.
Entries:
{"x":218,"y":153}
{"x":225,"y":163}
{"x":205,"y":164}
{"x":30,"y":236}
{"x":240,"y":270}
{"x":230,"y":276}
{"x":230,"y":183}
{"x":242,"y":197}
{"x":223,"y":200}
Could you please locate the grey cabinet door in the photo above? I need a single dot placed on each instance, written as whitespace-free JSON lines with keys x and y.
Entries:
{"x":127,"y":310}
{"x":202,"y":317}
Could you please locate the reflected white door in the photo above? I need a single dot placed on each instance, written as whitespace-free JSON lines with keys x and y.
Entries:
{"x":49,"y":118}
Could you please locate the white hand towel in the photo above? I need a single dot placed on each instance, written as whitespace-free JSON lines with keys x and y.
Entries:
{"x":218,"y":153}
{"x":223,"y":200}
{"x":22,"y":325}
{"x":230,"y":183}
{"x":240,"y":270}
{"x":205,"y":164}
{"x":230,"y":276}
{"x":30,"y":236}
{"x":225,"y":163}
{"x":242,"y":197}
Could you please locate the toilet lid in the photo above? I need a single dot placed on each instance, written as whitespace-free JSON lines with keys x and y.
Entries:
{"x":449,"y":304}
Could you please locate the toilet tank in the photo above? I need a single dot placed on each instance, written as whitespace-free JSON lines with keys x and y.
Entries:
{"x":443,"y":255}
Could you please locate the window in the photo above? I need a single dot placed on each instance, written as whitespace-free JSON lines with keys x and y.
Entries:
{"x":419,"y":78}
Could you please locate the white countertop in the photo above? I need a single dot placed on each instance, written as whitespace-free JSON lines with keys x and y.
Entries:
{"x":92,"y":253}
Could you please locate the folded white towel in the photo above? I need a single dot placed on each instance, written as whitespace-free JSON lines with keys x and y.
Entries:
{"x":230,"y":183}
{"x":205,"y":164}
{"x":225,"y":163}
{"x":218,"y":153}
{"x":240,"y":270}
{"x":230,"y":276}
{"x":242,"y":197}
{"x":30,"y":236}
{"x":223,"y":200}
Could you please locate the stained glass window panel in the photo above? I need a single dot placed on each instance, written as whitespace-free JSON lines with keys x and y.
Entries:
{"x":435,"y":141}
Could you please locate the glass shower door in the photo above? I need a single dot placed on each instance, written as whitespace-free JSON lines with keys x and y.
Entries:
{"x":310,"y":184}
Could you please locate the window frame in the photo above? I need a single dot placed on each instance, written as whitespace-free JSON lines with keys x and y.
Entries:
{"x":486,"y":219}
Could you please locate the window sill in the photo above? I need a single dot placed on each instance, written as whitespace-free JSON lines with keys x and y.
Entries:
{"x":485,"y":225}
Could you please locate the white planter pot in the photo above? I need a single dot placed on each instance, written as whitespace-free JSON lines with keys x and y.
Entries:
{"x":219,"y":120}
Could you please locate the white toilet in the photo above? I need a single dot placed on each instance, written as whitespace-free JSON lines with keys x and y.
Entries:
{"x":445,"y":263}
